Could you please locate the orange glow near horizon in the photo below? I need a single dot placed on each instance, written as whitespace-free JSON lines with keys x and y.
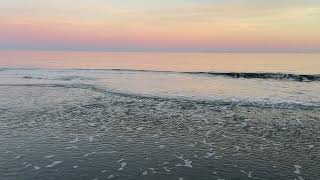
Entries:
{"x":197,"y":25}
{"x":305,"y":63}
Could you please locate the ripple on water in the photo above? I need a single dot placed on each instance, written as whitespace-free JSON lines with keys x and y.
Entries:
{"x":242,"y":141}
{"x":54,"y":164}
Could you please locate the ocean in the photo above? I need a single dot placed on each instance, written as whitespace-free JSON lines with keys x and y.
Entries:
{"x":98,"y":115}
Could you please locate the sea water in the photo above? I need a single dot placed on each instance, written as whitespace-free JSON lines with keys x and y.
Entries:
{"x":126,"y":118}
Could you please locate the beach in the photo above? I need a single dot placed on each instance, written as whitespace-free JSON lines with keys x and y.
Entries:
{"x":160,"y":90}
{"x":81,"y":124}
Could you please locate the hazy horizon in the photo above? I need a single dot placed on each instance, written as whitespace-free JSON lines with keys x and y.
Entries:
{"x":250,"y":51}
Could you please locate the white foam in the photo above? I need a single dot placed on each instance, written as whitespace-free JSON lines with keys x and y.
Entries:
{"x":209,"y":154}
{"x":111,"y":176}
{"x":155,"y":135}
{"x":75,"y":167}
{"x":54,"y":164}
{"x":120,"y":160}
{"x":218,"y":157}
{"x":123,"y":165}
{"x":249,"y":174}
{"x":108,"y":129}
{"x":49,"y":156}
{"x":206,"y":143}
{"x":86,"y":155}
{"x":208,"y":133}
{"x":244,"y":124}
{"x":166,"y":169}
{"x":111,"y":152}
{"x":145,"y":173}
{"x":187,"y":162}
{"x":140,"y":128}
{"x":153,"y":170}
{"x":92,"y":124}
{"x":300,"y":178}
{"x":36,"y":168}
{"x":191,"y":145}
{"x":72,"y":147}
{"x":297,"y":171}
{"x":310,"y":146}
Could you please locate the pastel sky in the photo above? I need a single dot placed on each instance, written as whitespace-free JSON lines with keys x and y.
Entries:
{"x":171,"y":25}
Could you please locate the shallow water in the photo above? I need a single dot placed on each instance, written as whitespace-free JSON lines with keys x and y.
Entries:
{"x":259,"y":91}
{"x":104,"y":124}
{"x":144,"y":123}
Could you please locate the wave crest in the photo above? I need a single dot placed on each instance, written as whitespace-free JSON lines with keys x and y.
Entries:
{"x":277,"y":76}
{"x":246,"y":75}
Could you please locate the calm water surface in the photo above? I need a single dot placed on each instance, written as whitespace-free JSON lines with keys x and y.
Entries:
{"x":219,"y":62}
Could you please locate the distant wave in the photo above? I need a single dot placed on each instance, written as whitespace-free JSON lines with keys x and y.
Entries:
{"x":246,"y":75}
{"x":62,"y":78}
{"x":277,"y":76}
{"x":31,"y":77}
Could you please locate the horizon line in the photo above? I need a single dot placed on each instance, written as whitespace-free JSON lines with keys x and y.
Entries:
{"x":160,"y":50}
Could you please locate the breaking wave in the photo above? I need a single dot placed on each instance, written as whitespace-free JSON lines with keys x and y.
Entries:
{"x":245,"y":75}
{"x":277,"y":76}
{"x":237,"y":75}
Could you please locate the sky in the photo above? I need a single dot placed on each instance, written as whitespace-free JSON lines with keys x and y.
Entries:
{"x":162,"y":25}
